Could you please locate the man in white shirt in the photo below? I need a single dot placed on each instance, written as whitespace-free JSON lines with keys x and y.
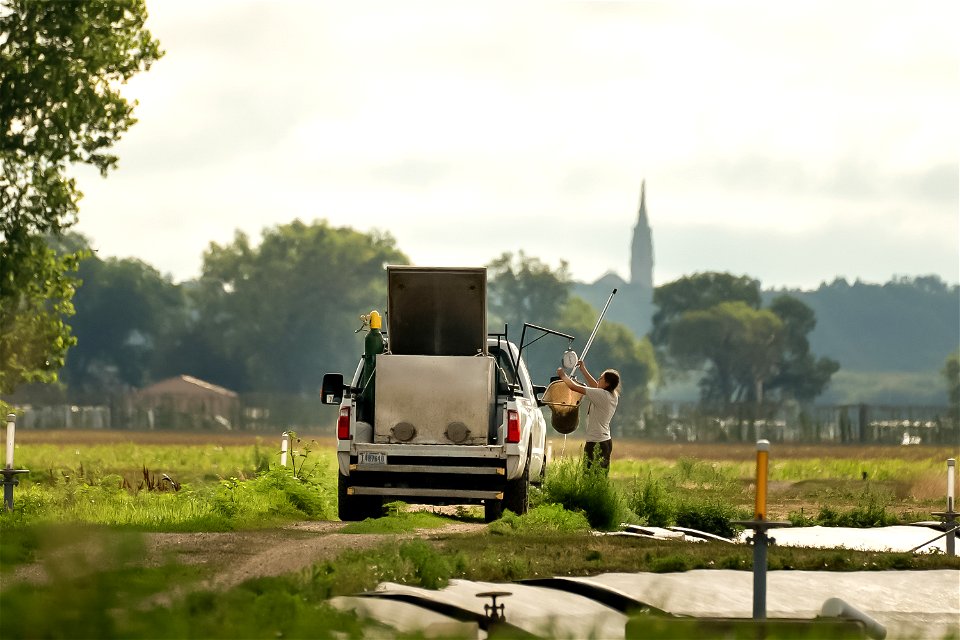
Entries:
{"x":603,"y":395}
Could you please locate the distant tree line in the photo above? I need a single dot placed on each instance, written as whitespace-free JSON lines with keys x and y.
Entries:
{"x":273,"y":316}
{"x":906,"y":324}
{"x":266,"y":318}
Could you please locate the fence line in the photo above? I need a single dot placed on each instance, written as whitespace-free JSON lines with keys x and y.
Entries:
{"x":842,"y":424}
{"x":682,"y":422}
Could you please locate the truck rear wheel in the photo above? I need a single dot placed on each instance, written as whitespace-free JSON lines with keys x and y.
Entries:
{"x":492,"y":510}
{"x":516,"y":495}
{"x":354,"y":508}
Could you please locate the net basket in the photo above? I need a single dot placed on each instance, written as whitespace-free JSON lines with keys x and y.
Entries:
{"x":564,"y":406}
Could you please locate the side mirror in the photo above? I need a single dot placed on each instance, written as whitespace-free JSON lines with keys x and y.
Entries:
{"x":331,"y":391}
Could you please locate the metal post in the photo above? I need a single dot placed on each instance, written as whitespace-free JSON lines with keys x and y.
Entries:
{"x":760,"y":536}
{"x":760,"y":539}
{"x":952,"y":517}
{"x":11,"y":431}
{"x":760,"y":574}
{"x":284,"y":448}
{"x":9,"y":473}
{"x":949,"y":517}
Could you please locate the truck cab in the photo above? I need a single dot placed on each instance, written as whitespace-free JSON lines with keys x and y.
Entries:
{"x":446,"y":413}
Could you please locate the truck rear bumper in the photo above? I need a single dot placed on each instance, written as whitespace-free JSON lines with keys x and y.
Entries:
{"x":430,"y":495}
{"x":426,"y":457}
{"x":432,"y":474}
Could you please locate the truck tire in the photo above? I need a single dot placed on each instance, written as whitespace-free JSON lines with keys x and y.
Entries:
{"x":356,"y":508}
{"x":516,"y":495}
{"x":492,"y":510}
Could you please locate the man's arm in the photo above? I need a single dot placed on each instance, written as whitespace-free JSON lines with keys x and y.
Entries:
{"x":571,"y":384}
{"x":586,"y":374}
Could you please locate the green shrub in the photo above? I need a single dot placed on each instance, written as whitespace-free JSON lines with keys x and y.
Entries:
{"x":585,"y":489}
{"x":652,"y":504}
{"x":800,"y":519}
{"x":432,"y":570}
{"x":669,"y":564}
{"x":871,"y":511}
{"x":261,"y":459}
{"x":276,"y":494}
{"x":547,"y":518}
{"x":708,"y":516}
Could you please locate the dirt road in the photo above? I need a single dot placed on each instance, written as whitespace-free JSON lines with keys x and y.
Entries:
{"x":232,"y":557}
{"x":249,"y":554}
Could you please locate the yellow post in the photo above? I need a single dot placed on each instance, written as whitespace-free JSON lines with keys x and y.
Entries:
{"x":763,"y":453}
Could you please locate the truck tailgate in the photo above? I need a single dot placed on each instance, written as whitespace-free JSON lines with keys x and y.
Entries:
{"x":434,"y":399}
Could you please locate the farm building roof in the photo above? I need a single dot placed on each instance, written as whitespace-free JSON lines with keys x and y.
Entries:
{"x":186,"y":385}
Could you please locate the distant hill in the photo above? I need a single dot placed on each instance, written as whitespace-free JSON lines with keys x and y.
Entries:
{"x":906,"y":325}
{"x":891,"y":340}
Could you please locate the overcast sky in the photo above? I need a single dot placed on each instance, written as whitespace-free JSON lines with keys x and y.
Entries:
{"x":792,"y":142}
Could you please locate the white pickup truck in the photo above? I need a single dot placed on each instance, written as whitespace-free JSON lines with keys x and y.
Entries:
{"x":442,"y":412}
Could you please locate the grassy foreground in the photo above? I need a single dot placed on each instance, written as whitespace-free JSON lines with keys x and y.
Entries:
{"x":104,"y":583}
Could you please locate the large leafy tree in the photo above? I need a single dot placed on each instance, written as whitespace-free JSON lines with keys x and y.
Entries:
{"x":278,"y":315}
{"x":127,"y":316}
{"x":62,"y":65}
{"x":526,"y":289}
{"x":713,"y":323}
{"x":799,"y":374}
{"x":698,"y":292}
{"x":739,"y":345}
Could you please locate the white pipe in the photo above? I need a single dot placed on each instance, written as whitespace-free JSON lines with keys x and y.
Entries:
{"x":284,"y":448}
{"x":837,"y":608}
{"x":11,"y":431}
{"x":951,"y":480}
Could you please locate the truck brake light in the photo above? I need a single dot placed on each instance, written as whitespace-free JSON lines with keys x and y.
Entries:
{"x":343,"y":424}
{"x":513,"y":425}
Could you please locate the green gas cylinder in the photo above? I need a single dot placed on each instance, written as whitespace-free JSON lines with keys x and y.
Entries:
{"x":373,"y":344}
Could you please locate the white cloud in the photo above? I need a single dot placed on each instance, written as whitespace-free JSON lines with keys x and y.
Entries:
{"x":532,"y":124}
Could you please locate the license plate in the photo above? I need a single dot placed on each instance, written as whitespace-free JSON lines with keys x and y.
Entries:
{"x":373,"y":458}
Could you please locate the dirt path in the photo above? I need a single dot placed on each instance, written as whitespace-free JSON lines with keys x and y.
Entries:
{"x":230,"y":558}
{"x":250,"y":554}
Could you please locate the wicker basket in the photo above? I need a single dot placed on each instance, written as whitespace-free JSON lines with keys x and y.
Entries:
{"x":564,"y":406}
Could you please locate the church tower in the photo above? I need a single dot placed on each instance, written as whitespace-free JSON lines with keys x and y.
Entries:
{"x":641,"y":250}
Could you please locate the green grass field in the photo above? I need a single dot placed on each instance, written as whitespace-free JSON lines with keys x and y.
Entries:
{"x":79,"y":554}
{"x":173,"y":481}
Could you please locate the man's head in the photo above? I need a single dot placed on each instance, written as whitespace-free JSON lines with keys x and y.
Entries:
{"x":610,"y":380}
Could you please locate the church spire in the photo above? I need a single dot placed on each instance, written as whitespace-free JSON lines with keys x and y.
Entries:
{"x":643,"y":201}
{"x":641,"y":250}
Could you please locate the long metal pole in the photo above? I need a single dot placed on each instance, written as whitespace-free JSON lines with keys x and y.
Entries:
{"x":586,"y":347}
{"x":760,"y":535}
{"x":760,"y":574}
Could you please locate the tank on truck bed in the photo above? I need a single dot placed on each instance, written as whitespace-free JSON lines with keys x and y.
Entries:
{"x":454,"y":418}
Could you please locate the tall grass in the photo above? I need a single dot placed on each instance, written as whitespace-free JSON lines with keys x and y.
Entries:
{"x":544,"y":519}
{"x":218,"y":488}
{"x":586,"y":490}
